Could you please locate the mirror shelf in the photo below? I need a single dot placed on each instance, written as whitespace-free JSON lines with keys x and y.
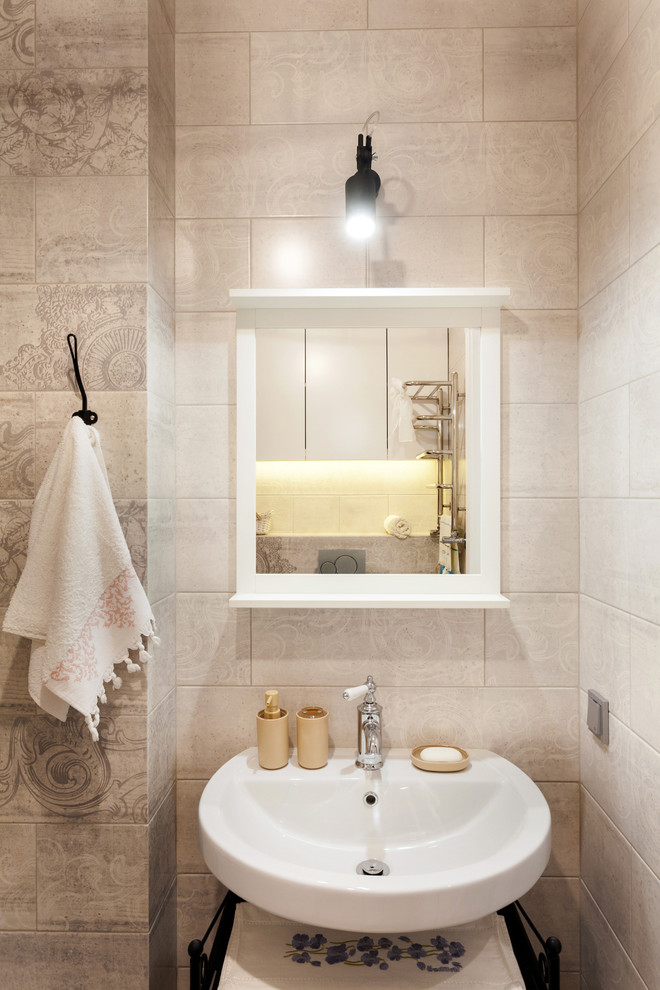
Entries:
{"x":473,"y":312}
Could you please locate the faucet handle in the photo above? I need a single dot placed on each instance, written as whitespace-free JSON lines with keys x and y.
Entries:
{"x":351,"y":694}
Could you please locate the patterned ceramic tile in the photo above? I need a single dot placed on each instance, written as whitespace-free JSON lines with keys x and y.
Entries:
{"x":205,"y":358}
{"x":53,"y":770}
{"x":603,"y":956}
{"x":255,"y":171}
{"x":92,"y":877}
{"x":92,"y":229}
{"x":161,"y":743}
{"x":427,"y":251}
{"x":644,"y":921}
{"x":619,"y":112}
{"x":342,"y":76}
{"x":212,"y":257}
{"x":160,"y":346}
{"x":535,"y":728}
{"x":605,"y":563}
{"x":384,"y":555}
{"x":160,"y":450}
{"x":18,"y":887}
{"x":108,"y":320}
{"x":161,"y":53}
{"x":644,"y":301}
{"x":604,"y":234}
{"x":530,"y":468}
{"x":417,"y":646}
{"x":553,"y":903}
{"x":534,"y":642}
{"x":536,"y":257}
{"x":605,"y":654}
{"x":601,"y":34}
{"x":605,"y":346}
{"x":162,"y":151}
{"x":605,"y":445}
{"x":605,"y":858}
{"x":162,"y":854}
{"x":644,"y":650}
{"x":305,"y":253}
{"x":205,"y":545}
{"x":529,"y":73}
{"x":160,"y":549}
{"x":539,"y":356}
{"x":189,"y":858}
{"x":14,"y":661}
{"x":92,"y":33}
{"x":564,"y":802}
{"x":206,"y":470}
{"x":213,"y":78}
{"x":442,"y":169}
{"x":162,"y":946}
{"x":253,"y":15}
{"x":17,"y":210}
{"x":531,"y":167}
{"x":644,"y":207}
{"x":643,"y":534}
{"x":14,"y":529}
{"x":74,"y":122}
{"x":605,"y":771}
{"x":198,"y":899}
{"x":121,"y":427}
{"x":161,"y":675}
{"x":17,"y":33}
{"x":213,"y":641}
{"x":16,"y":445}
{"x":116,"y":962}
{"x":477,"y":13}
{"x":533,"y":557}
{"x":644,"y":768}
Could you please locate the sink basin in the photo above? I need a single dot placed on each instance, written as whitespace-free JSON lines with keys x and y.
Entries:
{"x":457,"y":845}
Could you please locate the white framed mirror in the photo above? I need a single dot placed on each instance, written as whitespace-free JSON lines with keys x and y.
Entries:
{"x":368,"y":448}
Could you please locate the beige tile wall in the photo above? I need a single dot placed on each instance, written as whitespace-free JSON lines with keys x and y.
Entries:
{"x":477,"y":153}
{"x":87,"y":855}
{"x":619,"y":416}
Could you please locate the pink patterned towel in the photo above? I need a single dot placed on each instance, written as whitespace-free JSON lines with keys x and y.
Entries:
{"x":79,"y":599}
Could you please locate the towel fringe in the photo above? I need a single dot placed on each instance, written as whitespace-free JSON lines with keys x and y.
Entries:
{"x":116,"y":682}
{"x":155,"y":639}
{"x":144,"y":656}
{"x":91,"y":721}
{"x":131,"y":667}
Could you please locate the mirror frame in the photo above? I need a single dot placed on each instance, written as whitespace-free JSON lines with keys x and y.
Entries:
{"x":263,"y":309}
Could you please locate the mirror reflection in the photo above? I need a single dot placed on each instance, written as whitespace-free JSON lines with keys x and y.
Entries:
{"x":361,"y":450}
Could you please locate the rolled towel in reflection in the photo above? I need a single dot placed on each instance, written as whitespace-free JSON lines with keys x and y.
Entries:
{"x":397,"y":526}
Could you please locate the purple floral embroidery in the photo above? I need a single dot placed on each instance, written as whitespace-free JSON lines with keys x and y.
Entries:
{"x":366,"y":951}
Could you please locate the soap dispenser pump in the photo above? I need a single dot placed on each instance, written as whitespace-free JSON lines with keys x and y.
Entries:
{"x":272,"y":733}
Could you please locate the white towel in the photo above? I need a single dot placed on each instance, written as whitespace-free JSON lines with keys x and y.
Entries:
{"x":79,"y":599}
{"x":444,"y":550}
{"x":397,"y":526}
{"x":268,"y":953}
{"x":401,"y":412}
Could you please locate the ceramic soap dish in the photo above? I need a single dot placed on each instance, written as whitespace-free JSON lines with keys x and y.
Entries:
{"x":439,"y":759}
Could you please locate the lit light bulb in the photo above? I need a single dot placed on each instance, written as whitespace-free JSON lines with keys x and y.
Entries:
{"x":360,"y":225}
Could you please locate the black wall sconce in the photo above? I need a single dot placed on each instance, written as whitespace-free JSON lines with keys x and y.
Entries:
{"x":361,"y":192}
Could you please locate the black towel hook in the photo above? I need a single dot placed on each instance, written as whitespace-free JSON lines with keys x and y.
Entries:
{"x":85,"y":414}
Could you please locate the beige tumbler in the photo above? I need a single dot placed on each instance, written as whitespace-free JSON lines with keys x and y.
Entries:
{"x":312,"y":726}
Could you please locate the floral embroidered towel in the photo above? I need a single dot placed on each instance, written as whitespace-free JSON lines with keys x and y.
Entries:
{"x":78,"y":599}
{"x":269,"y":953}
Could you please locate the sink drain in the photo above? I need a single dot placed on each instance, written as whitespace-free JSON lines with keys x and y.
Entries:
{"x":372,"y":868}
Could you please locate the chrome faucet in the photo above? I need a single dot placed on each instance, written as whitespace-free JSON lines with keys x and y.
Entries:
{"x":369,"y":726}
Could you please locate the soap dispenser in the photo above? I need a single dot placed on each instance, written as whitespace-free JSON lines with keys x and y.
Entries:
{"x":273,"y":734}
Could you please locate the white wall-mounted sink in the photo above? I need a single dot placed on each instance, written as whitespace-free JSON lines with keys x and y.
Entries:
{"x":458,"y":845}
